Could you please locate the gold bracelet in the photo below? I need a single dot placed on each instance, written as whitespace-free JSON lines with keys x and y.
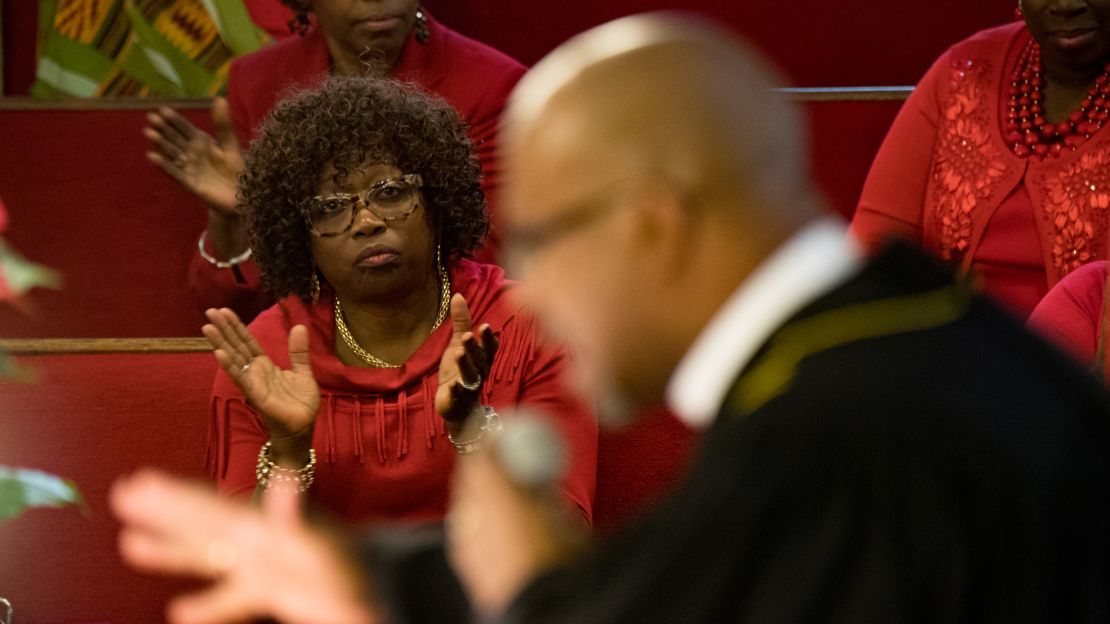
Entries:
{"x":268,"y":473}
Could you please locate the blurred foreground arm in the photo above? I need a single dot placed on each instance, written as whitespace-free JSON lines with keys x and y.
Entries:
{"x":507,"y":524}
{"x":262,"y":562}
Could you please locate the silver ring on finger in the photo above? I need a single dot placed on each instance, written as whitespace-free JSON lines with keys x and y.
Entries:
{"x":243,"y":369}
{"x":472,"y":386}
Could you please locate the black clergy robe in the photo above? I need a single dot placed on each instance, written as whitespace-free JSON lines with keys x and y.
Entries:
{"x":898,"y":451}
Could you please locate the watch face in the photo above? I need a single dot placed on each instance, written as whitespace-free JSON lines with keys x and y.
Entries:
{"x":531,"y":450}
{"x":491,"y":420}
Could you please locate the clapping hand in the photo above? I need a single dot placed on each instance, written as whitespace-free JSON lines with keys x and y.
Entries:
{"x":207,"y":167}
{"x":465,"y":365}
{"x":287,"y":400}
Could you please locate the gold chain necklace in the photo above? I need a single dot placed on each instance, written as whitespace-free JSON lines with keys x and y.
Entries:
{"x":370,"y":358}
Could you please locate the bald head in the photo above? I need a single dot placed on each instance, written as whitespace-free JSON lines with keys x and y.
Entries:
{"x":672,"y":97}
{"x":649,"y":167}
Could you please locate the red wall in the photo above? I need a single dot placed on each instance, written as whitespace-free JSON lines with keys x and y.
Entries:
{"x":83,"y":199}
{"x":90,"y":418}
{"x":818,"y":43}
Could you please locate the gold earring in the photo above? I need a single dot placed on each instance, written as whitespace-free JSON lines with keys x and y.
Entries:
{"x":444,"y":290}
{"x":315,"y":284}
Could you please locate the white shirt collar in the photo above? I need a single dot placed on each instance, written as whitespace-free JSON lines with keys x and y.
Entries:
{"x":817,"y":258}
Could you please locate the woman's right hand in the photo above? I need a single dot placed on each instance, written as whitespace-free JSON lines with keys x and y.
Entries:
{"x":287,"y":400}
{"x":207,"y":167}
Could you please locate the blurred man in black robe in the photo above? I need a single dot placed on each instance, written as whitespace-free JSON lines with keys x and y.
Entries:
{"x":879,"y":444}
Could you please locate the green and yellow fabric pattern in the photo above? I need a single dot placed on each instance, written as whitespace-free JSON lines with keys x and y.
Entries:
{"x":173,"y":48}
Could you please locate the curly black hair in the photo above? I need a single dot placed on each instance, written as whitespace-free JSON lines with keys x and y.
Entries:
{"x":347,"y":123}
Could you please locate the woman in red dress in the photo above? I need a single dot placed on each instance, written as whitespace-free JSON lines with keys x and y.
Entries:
{"x":343,"y":37}
{"x":362,"y":199}
{"x":999,"y":162}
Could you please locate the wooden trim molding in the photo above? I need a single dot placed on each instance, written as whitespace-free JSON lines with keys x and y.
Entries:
{"x":22,"y":103}
{"x":843,"y":94}
{"x":42,"y":346}
{"x":801,"y":94}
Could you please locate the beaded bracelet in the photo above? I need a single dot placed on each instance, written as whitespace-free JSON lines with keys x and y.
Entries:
{"x":268,"y":473}
{"x":491,"y":423}
{"x":220,"y":264}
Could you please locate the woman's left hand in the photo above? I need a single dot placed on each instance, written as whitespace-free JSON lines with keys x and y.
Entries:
{"x":465,"y":365}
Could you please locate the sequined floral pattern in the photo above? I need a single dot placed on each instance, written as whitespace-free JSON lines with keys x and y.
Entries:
{"x":1078,"y":197}
{"x":968,"y":165}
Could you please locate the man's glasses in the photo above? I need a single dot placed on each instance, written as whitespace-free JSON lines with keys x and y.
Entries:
{"x":390,"y":200}
{"x":523,"y":241}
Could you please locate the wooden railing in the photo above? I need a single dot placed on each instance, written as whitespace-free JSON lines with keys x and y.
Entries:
{"x":41,"y":346}
{"x":801,"y":94}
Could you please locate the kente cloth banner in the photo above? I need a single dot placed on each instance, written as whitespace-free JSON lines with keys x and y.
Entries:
{"x":175,"y":48}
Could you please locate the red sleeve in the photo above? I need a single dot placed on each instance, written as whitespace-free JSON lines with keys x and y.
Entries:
{"x":235,"y":437}
{"x":238,"y":287}
{"x":546,"y":388}
{"x":1069,"y":314}
{"x":893,"y":195}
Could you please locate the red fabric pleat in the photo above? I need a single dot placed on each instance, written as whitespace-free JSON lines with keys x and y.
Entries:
{"x":329,"y":416}
{"x":379,"y":415}
{"x":359,"y":450}
{"x":402,"y":424}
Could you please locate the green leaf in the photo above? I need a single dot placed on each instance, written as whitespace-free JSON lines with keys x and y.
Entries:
{"x":22,"y":489}
{"x":12,"y":370}
{"x":186,"y":75}
{"x":21,"y":275}
{"x":71,"y":67}
{"x":235,"y":25}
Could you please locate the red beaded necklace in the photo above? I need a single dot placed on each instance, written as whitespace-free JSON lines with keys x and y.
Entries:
{"x":1027,"y":131}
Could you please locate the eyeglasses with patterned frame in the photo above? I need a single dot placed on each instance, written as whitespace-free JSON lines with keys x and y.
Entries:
{"x":390,"y":200}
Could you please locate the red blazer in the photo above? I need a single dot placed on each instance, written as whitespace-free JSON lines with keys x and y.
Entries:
{"x":944,"y":167}
{"x":381,"y":449}
{"x":473,"y":77}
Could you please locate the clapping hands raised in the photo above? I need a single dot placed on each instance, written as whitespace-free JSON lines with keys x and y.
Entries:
{"x":287,"y":400}
{"x":465,"y":365}
{"x":207,"y":167}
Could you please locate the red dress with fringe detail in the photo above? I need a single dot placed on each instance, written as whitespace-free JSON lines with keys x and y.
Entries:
{"x":382,"y":450}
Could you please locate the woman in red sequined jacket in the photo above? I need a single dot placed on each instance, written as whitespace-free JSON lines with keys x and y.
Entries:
{"x":362,"y":198}
{"x":998,"y":162}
